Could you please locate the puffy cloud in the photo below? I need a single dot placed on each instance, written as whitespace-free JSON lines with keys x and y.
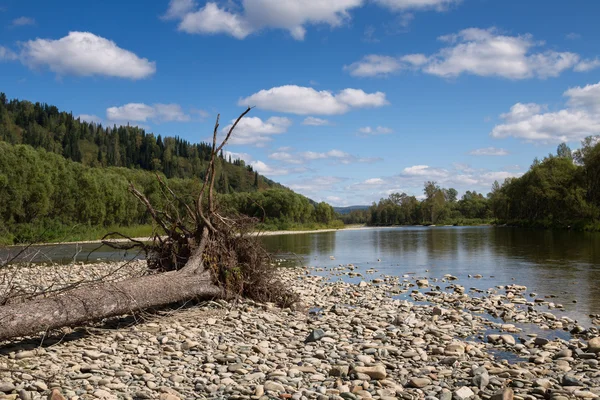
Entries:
{"x":586,"y":98}
{"x":489,"y":151}
{"x":85,"y":54}
{"x":268,"y":170}
{"x":313,"y":121}
{"x":305,"y":100}
{"x":256,"y":15}
{"x":22,"y":21}
{"x":255,"y":131}
{"x":379,"y":130}
{"x":140,"y":112}
{"x":482,"y":52}
{"x":532,"y":122}
{"x":250,"y":16}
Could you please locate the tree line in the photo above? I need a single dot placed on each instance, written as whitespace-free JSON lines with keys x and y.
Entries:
{"x":43,"y":196}
{"x":43,"y":126}
{"x":560,"y":191}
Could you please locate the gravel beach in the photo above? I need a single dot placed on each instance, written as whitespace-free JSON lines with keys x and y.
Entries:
{"x":400,"y":337}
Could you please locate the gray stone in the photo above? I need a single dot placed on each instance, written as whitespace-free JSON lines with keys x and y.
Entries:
{"x":315,"y":336}
{"x":419,"y":382}
{"x":6,"y":387}
{"x":464,"y":393}
{"x":274,"y":386}
{"x":375,"y":372}
{"x":594,"y":345}
{"x":569,"y":380}
{"x":481,"y":380}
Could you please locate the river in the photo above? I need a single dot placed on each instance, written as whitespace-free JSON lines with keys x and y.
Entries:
{"x":563,"y":264}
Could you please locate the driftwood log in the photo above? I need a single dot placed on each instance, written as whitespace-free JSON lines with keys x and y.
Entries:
{"x":82,"y":305}
{"x":197,"y":254}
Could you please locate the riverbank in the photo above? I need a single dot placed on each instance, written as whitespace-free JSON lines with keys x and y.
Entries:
{"x":262,"y":233}
{"x":352,"y":341}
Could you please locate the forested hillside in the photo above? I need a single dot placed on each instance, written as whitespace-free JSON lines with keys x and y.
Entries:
{"x":62,"y":178}
{"x":44,"y":126}
{"x":561,"y":191}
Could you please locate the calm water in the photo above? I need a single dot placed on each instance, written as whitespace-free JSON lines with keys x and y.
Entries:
{"x":561,"y":263}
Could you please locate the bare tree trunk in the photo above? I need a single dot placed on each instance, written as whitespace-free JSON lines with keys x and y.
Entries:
{"x":85,"y":304}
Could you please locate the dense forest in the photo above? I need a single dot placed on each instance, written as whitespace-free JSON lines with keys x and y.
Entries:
{"x":61,"y":177}
{"x":560,"y":191}
{"x":43,"y":126}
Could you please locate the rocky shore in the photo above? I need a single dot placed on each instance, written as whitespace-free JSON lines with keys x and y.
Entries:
{"x":405,"y":337}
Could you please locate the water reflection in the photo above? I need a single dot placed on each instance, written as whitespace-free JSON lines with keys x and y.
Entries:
{"x":561,"y":263}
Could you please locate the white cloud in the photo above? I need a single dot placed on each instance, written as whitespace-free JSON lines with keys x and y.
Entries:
{"x":90,"y":118}
{"x":338,"y":156}
{"x":179,"y":8}
{"x":7,"y":54}
{"x":313,"y":121}
{"x":284,"y":156}
{"x":140,"y":112}
{"x":403,"y":5}
{"x":255,"y":131}
{"x":315,"y":185}
{"x":586,"y":98}
{"x":587,"y":65}
{"x":379,"y":130}
{"x":374,"y":181}
{"x":268,"y":170}
{"x":290,"y":15}
{"x":489,"y":151}
{"x":22,"y":21}
{"x":247,"y":158}
{"x":374,"y":65}
{"x":532,"y":122}
{"x":424,"y":170}
{"x":482,"y":52}
{"x":241,"y":19}
{"x":304,"y":100}
{"x":85,"y":54}
{"x":573,"y":36}
{"x":381,"y":66}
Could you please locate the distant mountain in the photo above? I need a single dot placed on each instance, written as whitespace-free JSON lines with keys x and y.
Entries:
{"x":347,"y":210}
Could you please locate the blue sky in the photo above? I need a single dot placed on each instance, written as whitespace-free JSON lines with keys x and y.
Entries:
{"x":354,"y":99}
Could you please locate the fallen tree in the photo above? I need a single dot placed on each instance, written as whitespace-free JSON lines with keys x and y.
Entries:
{"x":197,"y":253}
